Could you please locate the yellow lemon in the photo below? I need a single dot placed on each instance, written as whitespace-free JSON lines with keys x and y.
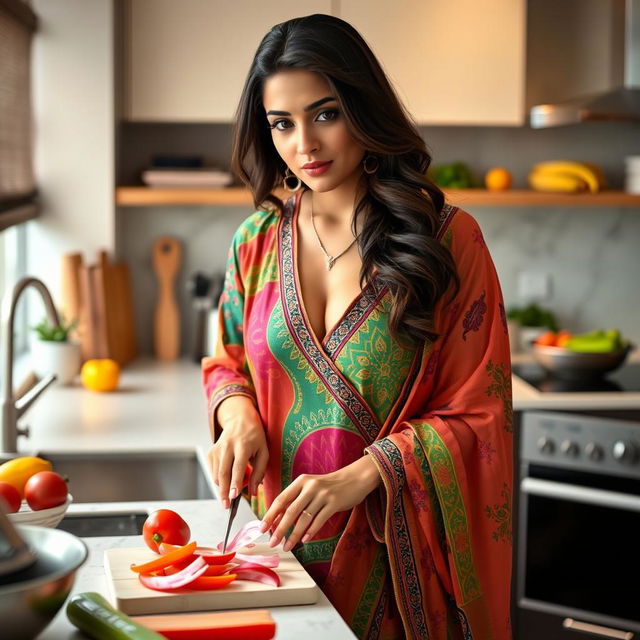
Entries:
{"x":498,"y":179}
{"x":100,"y":375}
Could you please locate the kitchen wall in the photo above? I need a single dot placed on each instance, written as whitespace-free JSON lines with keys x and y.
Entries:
{"x":73,"y":95}
{"x":591,"y":254}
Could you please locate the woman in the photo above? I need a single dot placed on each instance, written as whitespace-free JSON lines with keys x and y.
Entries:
{"x":362,"y":366}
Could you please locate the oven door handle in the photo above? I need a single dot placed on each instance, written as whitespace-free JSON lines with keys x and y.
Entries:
{"x":576,"y":493}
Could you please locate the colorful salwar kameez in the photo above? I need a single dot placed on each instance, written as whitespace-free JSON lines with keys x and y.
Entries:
{"x":428,"y":554}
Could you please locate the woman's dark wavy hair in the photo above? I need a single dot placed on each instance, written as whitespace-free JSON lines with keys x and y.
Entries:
{"x":400,"y":205}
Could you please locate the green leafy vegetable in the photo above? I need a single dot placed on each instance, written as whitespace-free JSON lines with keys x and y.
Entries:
{"x":533,"y":316}
{"x":50,"y":333}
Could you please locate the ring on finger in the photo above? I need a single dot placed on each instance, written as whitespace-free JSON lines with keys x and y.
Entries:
{"x":307,"y":513}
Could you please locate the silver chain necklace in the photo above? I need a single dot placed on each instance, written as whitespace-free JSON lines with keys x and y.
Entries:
{"x":331,"y":260}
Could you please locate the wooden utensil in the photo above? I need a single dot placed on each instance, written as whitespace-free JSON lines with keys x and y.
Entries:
{"x":70,"y":295}
{"x":99,"y":302}
{"x":126,"y":345}
{"x":131,"y":597}
{"x":87,"y":323}
{"x":167,"y":256}
{"x":108,"y":304}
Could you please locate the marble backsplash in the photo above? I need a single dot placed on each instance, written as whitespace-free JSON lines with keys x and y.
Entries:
{"x":592,"y":256}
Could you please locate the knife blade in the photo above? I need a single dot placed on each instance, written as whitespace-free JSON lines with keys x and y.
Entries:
{"x":233,"y":509}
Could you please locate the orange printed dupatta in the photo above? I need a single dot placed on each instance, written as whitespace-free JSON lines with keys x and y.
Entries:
{"x":428,"y":554}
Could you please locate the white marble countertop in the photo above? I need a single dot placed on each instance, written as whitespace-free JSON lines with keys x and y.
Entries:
{"x":207,"y":521}
{"x":158,"y":406}
{"x":161,"y":406}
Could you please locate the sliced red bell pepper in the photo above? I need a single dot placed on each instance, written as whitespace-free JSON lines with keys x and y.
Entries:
{"x":212,"y":569}
{"x":218,"y":569}
{"x":175,"y":555}
{"x":212,"y":582}
{"x":177,"y":580}
{"x":211,"y":555}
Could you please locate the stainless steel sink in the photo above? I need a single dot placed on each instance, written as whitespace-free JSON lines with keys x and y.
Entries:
{"x":90,"y":525}
{"x":132,"y":476}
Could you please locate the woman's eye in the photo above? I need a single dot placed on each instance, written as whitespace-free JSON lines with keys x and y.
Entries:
{"x":324,"y":116}
{"x":327,"y":115}
{"x":280,"y":125}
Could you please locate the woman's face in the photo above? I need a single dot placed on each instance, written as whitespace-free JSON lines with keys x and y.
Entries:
{"x":309,"y":131}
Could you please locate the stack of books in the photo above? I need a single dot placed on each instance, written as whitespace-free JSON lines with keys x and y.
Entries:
{"x":203,"y":178}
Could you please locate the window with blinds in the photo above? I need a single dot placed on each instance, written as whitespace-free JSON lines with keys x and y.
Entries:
{"x":17,"y":182}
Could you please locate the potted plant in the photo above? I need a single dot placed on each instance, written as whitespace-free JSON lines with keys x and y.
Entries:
{"x":527,"y":323}
{"x":54,"y":352}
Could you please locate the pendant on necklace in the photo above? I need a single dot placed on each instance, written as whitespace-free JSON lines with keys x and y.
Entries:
{"x":330,"y":262}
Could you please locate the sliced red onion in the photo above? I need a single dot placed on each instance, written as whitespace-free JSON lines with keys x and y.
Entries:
{"x":256,"y":573}
{"x":246,"y":535}
{"x":176,"y":580}
{"x":265,"y":561}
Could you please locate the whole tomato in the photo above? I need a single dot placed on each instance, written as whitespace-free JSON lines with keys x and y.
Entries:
{"x":11,"y":497}
{"x":44,"y":490}
{"x":100,"y":375}
{"x":167,"y":526}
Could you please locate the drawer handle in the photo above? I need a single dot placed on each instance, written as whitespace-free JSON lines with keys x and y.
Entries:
{"x":596,"y":629}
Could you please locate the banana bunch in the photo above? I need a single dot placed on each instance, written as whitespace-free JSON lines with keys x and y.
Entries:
{"x":567,"y":176}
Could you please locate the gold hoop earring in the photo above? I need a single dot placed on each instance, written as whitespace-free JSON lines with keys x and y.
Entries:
{"x":291,"y":182}
{"x":370,"y":164}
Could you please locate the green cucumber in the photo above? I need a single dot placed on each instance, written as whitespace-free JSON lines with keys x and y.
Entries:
{"x":93,"y":615}
{"x":592,"y":345}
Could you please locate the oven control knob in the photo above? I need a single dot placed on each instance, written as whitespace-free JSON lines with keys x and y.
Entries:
{"x":546,"y":445}
{"x":570,"y":448}
{"x":594,"y":451}
{"x":624,"y":451}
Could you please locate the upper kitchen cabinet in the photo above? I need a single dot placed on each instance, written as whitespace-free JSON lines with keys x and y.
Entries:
{"x":459,"y":62}
{"x":187,"y":61}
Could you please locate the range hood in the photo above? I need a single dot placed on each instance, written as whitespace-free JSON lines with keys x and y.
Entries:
{"x":622,"y":105}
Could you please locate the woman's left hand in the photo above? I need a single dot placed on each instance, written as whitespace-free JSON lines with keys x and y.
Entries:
{"x":310,"y":500}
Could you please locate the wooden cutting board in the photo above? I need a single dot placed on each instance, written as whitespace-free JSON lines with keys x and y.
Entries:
{"x":125,"y":318}
{"x":131,"y":597}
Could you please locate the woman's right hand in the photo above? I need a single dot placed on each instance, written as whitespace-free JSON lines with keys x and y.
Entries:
{"x":242,"y":441}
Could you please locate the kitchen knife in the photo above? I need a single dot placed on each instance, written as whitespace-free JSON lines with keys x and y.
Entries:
{"x":233,"y":507}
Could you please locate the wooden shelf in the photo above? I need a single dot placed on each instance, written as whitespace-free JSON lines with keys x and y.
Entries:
{"x":529,"y":198}
{"x":234,"y":196}
{"x":145,"y":196}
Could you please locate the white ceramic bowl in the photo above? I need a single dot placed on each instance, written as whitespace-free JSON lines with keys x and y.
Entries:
{"x":43,"y":518}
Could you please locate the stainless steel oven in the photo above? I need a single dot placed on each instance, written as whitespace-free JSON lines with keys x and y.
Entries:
{"x":578,"y":547}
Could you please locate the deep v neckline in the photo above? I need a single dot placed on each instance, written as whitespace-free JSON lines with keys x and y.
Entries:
{"x":320,"y":361}
{"x":361,"y":303}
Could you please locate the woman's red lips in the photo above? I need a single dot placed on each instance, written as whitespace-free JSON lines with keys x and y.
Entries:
{"x":313,"y":165}
{"x":316,"y":168}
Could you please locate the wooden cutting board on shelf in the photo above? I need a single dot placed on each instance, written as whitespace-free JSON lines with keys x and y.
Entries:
{"x":131,"y":597}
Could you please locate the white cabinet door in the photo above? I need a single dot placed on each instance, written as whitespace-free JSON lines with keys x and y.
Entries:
{"x":453,"y":62}
{"x":187,"y":60}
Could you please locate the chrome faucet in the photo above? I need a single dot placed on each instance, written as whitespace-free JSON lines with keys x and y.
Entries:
{"x":12,"y":409}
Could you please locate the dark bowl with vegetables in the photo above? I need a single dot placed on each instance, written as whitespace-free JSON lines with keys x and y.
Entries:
{"x":31,"y":597}
{"x":575,"y":365}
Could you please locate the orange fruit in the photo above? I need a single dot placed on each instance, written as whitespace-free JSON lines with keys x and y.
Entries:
{"x":546,"y":339}
{"x":100,"y":375}
{"x":498,"y":179}
{"x":563,"y":337}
